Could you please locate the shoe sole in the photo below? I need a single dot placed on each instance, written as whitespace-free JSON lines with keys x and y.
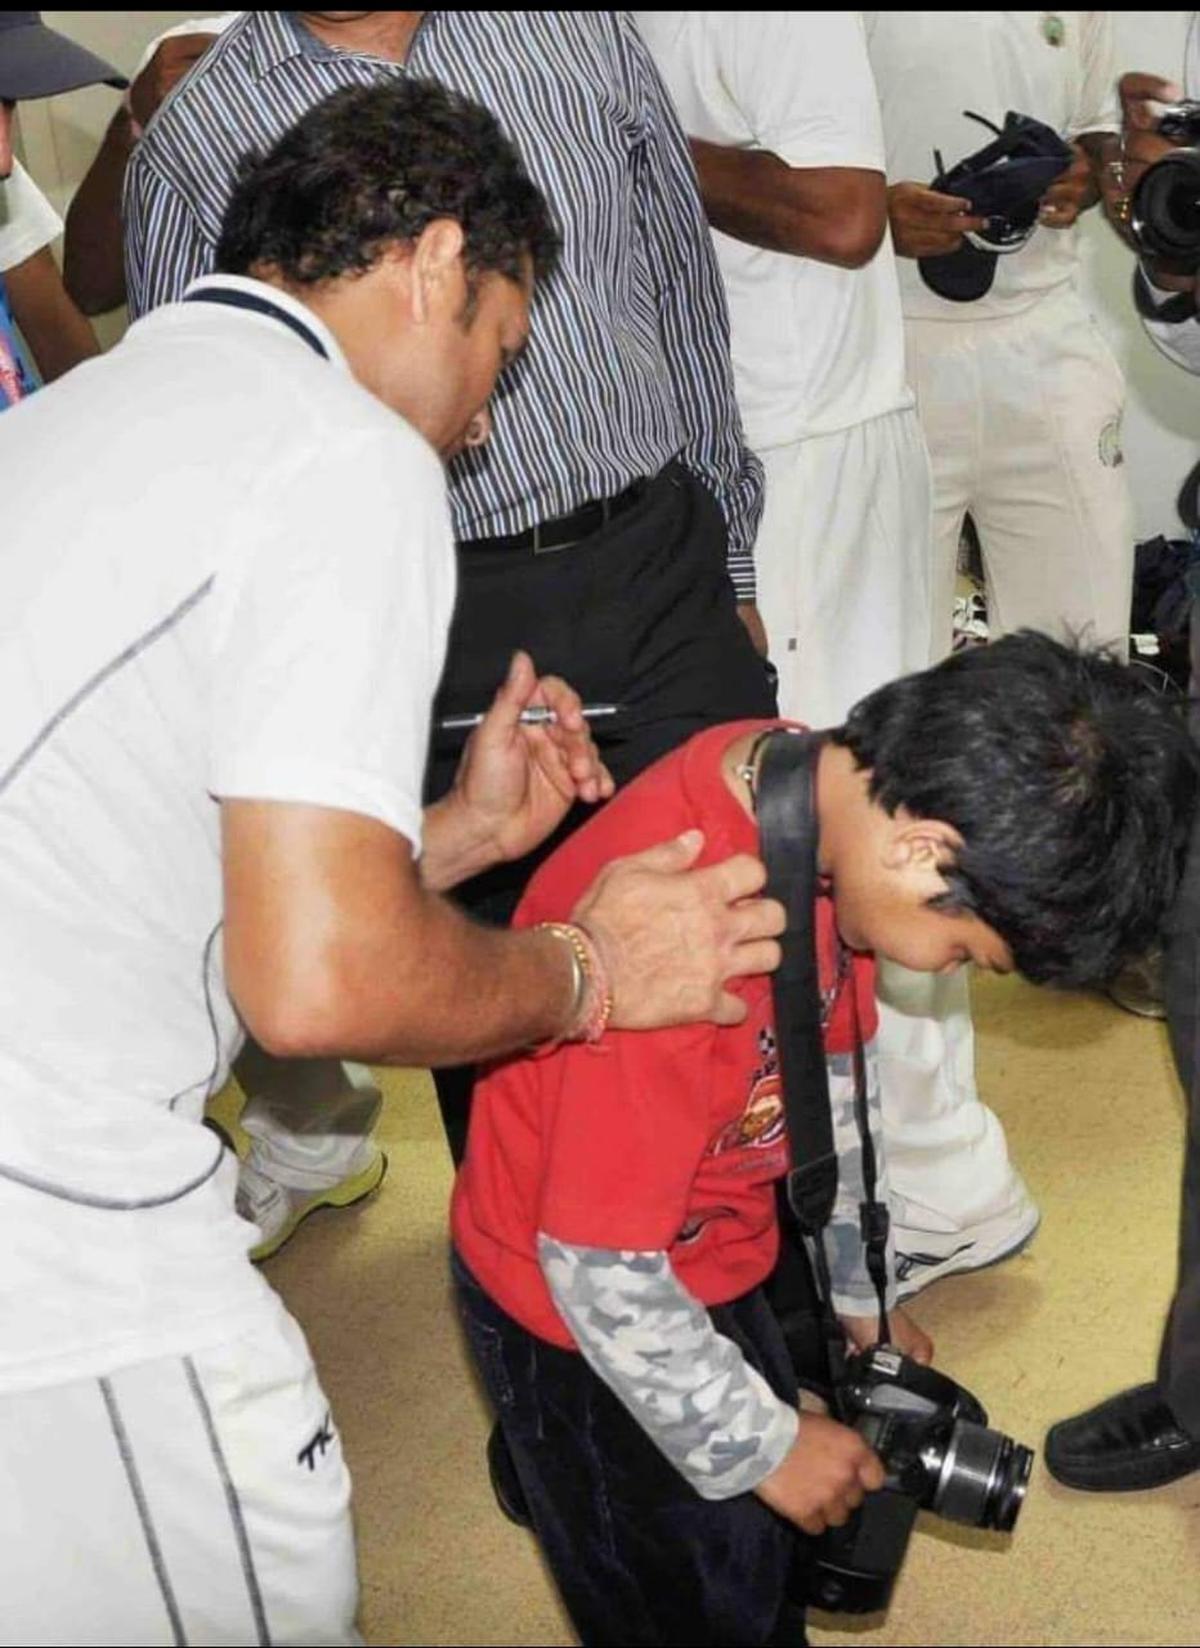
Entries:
{"x":905,"y":1290}
{"x":346,"y":1194}
{"x":1175,"y":1475}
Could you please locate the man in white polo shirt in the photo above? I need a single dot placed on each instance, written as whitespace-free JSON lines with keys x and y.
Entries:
{"x":784,"y":122}
{"x":1019,"y":396}
{"x":213,"y":724}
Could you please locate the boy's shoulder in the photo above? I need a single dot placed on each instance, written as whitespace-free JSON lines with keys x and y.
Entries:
{"x":682,"y":790}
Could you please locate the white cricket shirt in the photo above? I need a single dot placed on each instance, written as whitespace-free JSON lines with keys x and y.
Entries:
{"x":225,"y":570}
{"x":816,"y":348}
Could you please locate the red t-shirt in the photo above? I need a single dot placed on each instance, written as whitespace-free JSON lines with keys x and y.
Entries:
{"x":648,"y":1140}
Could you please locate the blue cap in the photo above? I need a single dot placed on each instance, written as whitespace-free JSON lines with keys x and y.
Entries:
{"x":39,"y":62}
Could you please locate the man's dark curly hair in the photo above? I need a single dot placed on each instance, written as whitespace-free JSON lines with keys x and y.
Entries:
{"x":374,"y":165}
{"x":1071,"y":782}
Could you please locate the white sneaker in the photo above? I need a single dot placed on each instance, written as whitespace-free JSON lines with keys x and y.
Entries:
{"x":925,"y":1256}
{"x":278,"y":1210}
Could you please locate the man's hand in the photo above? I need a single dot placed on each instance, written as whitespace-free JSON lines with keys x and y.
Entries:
{"x":824,"y":1477}
{"x":1070,"y":194}
{"x":165,"y":69}
{"x":752,"y":618}
{"x":516,"y":782}
{"x":670,"y":941}
{"x":863,"y":1332}
{"x":1141,"y":146}
{"x":926,"y":223}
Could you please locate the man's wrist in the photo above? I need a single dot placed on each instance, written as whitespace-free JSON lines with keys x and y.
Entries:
{"x":457,"y":844}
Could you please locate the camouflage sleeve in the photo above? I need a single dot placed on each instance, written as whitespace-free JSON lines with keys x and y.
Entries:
{"x":690,"y":1389}
{"x":853,"y":1290}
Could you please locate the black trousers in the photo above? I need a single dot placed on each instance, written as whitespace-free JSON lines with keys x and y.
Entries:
{"x":1179,"y":1357}
{"x":641,"y":614}
{"x":639,"y":1558}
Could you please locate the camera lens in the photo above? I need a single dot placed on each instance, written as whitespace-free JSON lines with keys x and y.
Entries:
{"x":981,"y":1478}
{"x":1165,"y":218}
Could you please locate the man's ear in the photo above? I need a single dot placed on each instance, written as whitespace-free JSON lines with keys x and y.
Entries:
{"x":920,"y":844}
{"x":436,"y":269}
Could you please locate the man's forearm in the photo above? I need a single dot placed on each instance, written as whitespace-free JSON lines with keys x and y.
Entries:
{"x":57,"y":334}
{"x":834,"y":214}
{"x":93,"y":257}
{"x":333,"y":946}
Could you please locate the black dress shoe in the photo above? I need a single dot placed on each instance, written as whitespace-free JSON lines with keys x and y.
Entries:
{"x":1131,"y":1441}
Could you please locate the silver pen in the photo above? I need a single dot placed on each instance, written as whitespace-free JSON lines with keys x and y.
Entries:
{"x":536,"y":716}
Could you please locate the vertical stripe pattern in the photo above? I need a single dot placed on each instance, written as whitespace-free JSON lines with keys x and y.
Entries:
{"x":628,"y":365}
{"x":253,"y":1589}
{"x":121,"y":1436}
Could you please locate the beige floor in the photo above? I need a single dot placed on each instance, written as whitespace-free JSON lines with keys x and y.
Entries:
{"x":1095,"y":1122}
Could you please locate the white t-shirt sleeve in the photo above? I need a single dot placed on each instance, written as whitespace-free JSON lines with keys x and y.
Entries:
{"x":28,"y":222}
{"x":330,"y":632}
{"x":1098,"y":108}
{"x":803,"y":84}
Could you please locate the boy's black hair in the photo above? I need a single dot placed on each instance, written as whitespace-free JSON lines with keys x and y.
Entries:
{"x":1071,"y":782}
{"x":374,"y":165}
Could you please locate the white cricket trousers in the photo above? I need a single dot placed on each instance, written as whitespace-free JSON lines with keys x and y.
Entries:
{"x":843,"y":562}
{"x":1022,"y":417}
{"x":198,"y":1499}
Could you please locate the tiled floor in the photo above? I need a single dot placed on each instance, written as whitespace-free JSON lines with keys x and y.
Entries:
{"x":1095,"y":1122}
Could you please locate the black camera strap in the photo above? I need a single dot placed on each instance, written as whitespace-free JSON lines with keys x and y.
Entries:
{"x":785,"y":801}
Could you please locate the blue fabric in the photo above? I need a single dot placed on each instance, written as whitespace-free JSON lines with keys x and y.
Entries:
{"x":16,"y":380}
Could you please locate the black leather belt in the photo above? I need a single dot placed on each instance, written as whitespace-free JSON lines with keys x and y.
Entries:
{"x":548,"y":536}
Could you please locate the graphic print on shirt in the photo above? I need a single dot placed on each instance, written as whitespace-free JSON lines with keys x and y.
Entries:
{"x":761,"y":1124}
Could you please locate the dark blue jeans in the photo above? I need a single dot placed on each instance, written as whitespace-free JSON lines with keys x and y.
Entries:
{"x":638,"y":1556}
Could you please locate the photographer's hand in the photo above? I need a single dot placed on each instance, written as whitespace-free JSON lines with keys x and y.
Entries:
{"x":1141,"y":145}
{"x":824,"y":1476}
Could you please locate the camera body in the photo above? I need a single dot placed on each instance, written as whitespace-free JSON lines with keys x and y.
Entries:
{"x":1165,"y":210}
{"x":932,"y":1437}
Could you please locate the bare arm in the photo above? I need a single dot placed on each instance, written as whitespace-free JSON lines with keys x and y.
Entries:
{"x":93,"y":257}
{"x":334,"y":945}
{"x":55,"y":331}
{"x":93,"y":254}
{"x":836,"y":214}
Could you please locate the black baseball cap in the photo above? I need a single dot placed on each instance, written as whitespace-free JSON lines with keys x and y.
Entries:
{"x":39,"y":62}
{"x":1004,"y":182}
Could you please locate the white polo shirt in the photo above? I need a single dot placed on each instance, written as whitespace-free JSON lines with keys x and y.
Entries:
{"x":225,"y":570}
{"x":28,"y":222}
{"x":816,"y":349}
{"x":931,"y":65}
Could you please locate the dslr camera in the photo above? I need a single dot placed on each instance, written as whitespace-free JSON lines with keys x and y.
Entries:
{"x":932,"y":1437}
{"x":1164,"y":215}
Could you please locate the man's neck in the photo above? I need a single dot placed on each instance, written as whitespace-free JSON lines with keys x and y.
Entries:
{"x":385,"y":34}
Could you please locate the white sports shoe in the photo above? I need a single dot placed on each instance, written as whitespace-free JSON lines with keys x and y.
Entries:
{"x":925,"y":1256}
{"x":278,"y":1210}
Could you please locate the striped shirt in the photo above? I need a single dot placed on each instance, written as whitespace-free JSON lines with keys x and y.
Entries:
{"x":628,"y":364}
